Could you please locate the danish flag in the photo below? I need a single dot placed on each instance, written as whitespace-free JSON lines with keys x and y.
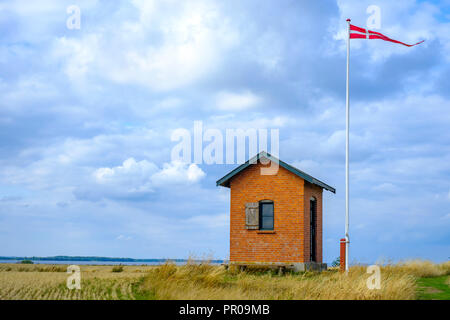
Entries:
{"x":355,"y":32}
{"x":361,"y":33}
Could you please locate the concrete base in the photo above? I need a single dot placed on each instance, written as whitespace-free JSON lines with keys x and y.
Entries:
{"x":294,"y":266}
{"x":310,"y":266}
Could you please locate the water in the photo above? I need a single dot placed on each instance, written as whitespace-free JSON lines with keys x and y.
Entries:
{"x":102,"y":263}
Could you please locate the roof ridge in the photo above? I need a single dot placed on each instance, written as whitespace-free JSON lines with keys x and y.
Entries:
{"x":224,"y":181}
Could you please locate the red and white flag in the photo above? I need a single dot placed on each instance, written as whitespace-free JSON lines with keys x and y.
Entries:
{"x":355,"y":32}
{"x":361,"y":33}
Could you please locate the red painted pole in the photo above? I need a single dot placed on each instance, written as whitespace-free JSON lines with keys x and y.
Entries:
{"x":342,"y":255}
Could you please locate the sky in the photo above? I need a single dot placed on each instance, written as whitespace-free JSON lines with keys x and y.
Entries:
{"x":86,"y":118}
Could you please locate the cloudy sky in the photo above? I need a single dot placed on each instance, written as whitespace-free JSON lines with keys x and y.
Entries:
{"x":86,"y":117}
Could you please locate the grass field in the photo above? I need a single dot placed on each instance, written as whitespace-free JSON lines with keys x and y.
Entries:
{"x":412,"y":280}
{"x":48,"y":282}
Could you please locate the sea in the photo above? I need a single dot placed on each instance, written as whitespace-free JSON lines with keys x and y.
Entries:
{"x":108,"y":263}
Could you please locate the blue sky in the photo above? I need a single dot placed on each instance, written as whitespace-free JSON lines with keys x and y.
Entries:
{"x":86,"y":118}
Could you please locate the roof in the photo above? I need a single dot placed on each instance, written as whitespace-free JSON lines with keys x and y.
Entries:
{"x":225,"y":181}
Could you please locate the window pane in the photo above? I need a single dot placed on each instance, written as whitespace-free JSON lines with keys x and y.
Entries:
{"x":266,"y":218}
{"x":267,"y":223}
{"x":267,"y":209}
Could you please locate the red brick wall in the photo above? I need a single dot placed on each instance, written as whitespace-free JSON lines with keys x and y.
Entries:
{"x":286,"y":242}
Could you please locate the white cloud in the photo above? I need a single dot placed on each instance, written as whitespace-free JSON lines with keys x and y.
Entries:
{"x":124,"y":238}
{"x":335,"y":143}
{"x":267,"y":50}
{"x":135,"y":178}
{"x":232,"y":101}
{"x":129,"y":168}
{"x":172,"y":44}
{"x":79,"y":54}
{"x":178,"y":172}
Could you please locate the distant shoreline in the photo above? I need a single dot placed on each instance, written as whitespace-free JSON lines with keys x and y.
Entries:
{"x":105,"y":259}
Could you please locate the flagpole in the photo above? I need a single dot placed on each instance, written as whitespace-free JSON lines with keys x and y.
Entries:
{"x":347,"y":125}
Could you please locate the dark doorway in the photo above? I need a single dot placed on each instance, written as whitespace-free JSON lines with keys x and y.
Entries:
{"x":312,"y":228}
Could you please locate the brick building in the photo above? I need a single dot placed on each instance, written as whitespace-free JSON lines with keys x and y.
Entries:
{"x":275,"y":217}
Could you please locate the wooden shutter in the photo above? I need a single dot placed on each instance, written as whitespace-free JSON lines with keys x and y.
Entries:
{"x":252,"y":215}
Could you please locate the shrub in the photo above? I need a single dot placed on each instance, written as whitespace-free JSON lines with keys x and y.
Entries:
{"x":26,"y":262}
{"x":336,"y":262}
{"x":118,"y":268}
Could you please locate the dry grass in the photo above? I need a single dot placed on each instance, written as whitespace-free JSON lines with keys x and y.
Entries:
{"x":194,"y":281}
{"x":213,"y":282}
{"x":421,"y":268}
{"x":32,"y":268}
{"x":48,"y":282}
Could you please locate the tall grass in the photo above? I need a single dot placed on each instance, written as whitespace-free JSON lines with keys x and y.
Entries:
{"x":203,"y":281}
{"x":420,"y":268}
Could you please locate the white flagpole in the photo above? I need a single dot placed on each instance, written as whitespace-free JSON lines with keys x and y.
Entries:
{"x":347,"y":111}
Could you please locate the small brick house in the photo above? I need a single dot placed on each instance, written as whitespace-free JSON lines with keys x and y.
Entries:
{"x":276,"y":218}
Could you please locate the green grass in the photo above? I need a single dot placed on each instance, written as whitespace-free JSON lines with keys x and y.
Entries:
{"x":141,"y":293}
{"x":433,"y":288}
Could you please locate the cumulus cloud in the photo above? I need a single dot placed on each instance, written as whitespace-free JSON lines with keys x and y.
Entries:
{"x":174,"y":49}
{"x":129,"y":171}
{"x":138,"y":179}
{"x":178,"y":172}
{"x":142,"y":171}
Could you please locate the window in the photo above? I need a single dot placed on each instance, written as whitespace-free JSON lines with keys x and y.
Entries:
{"x":266,"y":215}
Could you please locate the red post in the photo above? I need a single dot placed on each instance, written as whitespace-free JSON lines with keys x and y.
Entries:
{"x":342,"y":255}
